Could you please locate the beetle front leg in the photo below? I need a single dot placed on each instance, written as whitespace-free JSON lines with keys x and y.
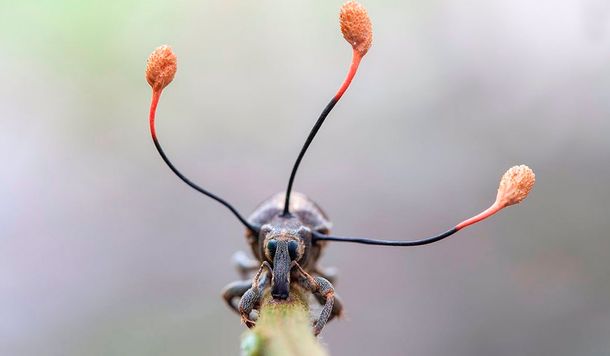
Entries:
{"x":235,"y":290}
{"x":329,"y":273}
{"x":324,"y":291}
{"x":252,"y":297}
{"x":337,"y":306}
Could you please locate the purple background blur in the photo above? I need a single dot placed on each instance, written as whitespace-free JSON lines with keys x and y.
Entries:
{"x":104,"y":252}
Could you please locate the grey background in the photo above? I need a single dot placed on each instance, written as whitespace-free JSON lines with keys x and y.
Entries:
{"x":104,"y":252}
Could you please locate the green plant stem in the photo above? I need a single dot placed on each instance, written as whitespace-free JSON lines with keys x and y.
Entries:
{"x":283,"y":329}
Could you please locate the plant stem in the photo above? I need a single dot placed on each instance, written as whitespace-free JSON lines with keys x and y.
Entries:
{"x":283,"y":328}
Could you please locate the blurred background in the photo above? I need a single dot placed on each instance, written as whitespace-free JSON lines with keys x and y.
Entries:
{"x":104,"y":252}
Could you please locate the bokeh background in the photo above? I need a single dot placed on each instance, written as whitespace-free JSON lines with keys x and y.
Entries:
{"x":104,"y":252}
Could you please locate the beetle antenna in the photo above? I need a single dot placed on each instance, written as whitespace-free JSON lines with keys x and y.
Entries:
{"x":514,"y":187}
{"x":357,"y":30}
{"x":160,"y":71}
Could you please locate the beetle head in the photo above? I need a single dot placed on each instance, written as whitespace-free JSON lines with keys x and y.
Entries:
{"x":281,"y":245}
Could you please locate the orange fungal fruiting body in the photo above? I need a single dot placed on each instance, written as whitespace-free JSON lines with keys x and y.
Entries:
{"x":161,"y":67}
{"x":356,"y":26}
{"x":515,"y":185}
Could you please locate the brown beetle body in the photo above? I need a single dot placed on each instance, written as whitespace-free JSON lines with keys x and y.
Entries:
{"x":284,"y":246}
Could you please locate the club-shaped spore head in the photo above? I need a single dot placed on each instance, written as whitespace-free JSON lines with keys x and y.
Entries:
{"x":515,"y":185}
{"x":161,"y":67}
{"x":356,"y":26}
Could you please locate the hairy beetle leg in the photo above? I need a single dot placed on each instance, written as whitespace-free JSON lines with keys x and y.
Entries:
{"x":337,"y":306}
{"x":324,"y":291}
{"x":251,"y":299}
{"x":235,"y":290}
{"x":329,"y":273}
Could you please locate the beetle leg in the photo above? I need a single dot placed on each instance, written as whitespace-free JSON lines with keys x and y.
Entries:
{"x":235,"y":290}
{"x":337,"y":306}
{"x":329,"y":273}
{"x":244,"y":264}
{"x":252,"y":297}
{"x":322,"y":289}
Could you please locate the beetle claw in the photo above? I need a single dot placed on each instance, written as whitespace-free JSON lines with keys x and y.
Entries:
{"x":246,"y":321}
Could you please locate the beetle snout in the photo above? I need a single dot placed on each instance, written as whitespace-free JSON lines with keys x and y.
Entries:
{"x":280,"y":287}
{"x":280,"y":282}
{"x":283,"y":295}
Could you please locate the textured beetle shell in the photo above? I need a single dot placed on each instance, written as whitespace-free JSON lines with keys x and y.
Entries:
{"x":305,"y":209}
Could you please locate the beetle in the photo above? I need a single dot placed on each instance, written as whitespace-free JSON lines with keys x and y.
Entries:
{"x":288,"y":232}
{"x":285,"y":249}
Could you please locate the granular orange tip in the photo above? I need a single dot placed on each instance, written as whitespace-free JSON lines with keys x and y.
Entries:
{"x":356,"y":26}
{"x":161,"y":67}
{"x":515,"y":185}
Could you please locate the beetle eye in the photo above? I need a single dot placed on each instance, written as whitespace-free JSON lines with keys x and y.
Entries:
{"x":292,"y":249}
{"x":271,"y":247}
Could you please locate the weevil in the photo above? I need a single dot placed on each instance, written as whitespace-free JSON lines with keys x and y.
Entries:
{"x":288,"y":232}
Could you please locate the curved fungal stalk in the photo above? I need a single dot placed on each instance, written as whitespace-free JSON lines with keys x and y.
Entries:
{"x":160,"y":71}
{"x":515,"y":185}
{"x":358,"y":32}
